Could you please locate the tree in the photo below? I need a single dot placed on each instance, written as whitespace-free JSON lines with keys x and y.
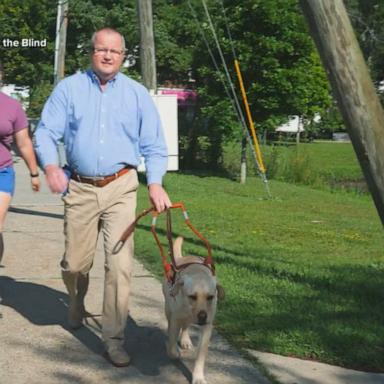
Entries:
{"x":27,"y":19}
{"x":367,"y":19}
{"x":87,"y":16}
{"x":282,"y":72}
{"x":36,"y":19}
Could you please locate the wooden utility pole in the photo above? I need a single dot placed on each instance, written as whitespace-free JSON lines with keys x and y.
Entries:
{"x":61,"y":39}
{"x":147,"y":44}
{"x":299,"y":122}
{"x":353,"y":87}
{"x":243,"y":160}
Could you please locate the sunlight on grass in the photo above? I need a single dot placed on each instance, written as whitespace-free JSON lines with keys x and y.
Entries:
{"x":303,"y":272}
{"x":329,"y":165}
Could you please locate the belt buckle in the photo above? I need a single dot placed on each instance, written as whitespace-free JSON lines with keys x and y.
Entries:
{"x":96,"y":178}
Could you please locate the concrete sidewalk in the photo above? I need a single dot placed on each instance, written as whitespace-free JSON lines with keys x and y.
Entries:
{"x":36,"y":347}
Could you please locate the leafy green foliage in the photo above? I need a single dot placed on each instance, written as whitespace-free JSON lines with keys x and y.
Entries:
{"x":331,"y":121}
{"x":33,"y":66}
{"x":38,"y":97}
{"x":367,"y":19}
{"x":24,"y":19}
{"x":280,"y":67}
{"x":281,"y":71}
{"x":87,"y":16}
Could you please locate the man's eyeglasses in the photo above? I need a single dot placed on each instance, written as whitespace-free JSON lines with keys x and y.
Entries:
{"x":104,"y":51}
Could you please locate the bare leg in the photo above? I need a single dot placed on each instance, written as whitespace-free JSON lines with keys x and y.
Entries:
{"x":1,"y":247}
{"x":5,"y":200}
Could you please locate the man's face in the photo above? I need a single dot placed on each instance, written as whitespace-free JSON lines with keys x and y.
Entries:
{"x":107,"y":55}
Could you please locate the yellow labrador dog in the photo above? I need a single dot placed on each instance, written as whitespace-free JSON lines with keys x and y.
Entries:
{"x":190,"y":300}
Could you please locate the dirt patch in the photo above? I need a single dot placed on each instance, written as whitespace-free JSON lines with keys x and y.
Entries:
{"x":359,"y":186}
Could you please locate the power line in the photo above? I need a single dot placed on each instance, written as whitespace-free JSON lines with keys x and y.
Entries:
{"x":234,"y":100}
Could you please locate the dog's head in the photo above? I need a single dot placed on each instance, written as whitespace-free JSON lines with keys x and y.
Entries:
{"x":200,"y":292}
{"x":196,"y":286}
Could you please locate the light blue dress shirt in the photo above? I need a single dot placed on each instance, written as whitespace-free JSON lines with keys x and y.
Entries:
{"x":103,"y":131}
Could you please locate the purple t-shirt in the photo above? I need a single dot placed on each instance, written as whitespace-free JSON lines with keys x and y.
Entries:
{"x":12,"y":120}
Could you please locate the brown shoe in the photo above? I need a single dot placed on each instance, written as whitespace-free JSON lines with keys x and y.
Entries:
{"x":118,"y":356}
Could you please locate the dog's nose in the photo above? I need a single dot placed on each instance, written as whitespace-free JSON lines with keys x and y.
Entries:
{"x":202,"y":317}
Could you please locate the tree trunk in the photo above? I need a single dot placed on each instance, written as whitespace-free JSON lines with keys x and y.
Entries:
{"x":353,"y":87}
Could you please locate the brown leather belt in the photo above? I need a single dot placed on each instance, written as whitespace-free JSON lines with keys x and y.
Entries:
{"x":100,"y":181}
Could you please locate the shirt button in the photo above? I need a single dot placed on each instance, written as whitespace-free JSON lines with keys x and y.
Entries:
{"x":101,"y":141}
{"x":101,"y":158}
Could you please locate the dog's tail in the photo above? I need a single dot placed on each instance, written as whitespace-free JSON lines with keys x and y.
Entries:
{"x":177,"y":248}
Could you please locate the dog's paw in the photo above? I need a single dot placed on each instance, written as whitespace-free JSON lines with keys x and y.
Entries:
{"x":185,"y":341}
{"x":199,"y":380}
{"x":186,"y":344}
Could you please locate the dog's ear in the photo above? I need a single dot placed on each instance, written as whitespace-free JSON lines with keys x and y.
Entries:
{"x":220,"y":292}
{"x":175,"y":288}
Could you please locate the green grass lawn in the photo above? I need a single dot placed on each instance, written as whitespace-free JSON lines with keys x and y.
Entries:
{"x":320,"y":164}
{"x":334,"y":159}
{"x":303,"y":271}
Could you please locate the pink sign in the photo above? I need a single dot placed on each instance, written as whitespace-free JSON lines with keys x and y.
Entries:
{"x":184,"y":96}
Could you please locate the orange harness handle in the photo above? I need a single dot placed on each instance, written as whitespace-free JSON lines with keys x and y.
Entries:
{"x":169,"y":268}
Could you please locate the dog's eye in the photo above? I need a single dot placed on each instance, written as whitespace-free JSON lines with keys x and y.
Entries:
{"x":193,"y":297}
{"x":210,"y":297}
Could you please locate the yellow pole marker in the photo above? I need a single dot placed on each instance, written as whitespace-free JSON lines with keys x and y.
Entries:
{"x":249,"y":116}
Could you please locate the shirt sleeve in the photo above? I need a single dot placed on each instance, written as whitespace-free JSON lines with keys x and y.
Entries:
{"x":52,"y":125}
{"x":152,"y":142}
{"x":21,"y":121}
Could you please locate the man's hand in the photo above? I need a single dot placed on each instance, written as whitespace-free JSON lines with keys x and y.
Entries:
{"x":158,"y":197}
{"x":56,"y":179}
{"x":35,"y":183}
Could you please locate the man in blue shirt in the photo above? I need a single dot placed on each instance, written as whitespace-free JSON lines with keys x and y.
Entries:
{"x":107,"y":121}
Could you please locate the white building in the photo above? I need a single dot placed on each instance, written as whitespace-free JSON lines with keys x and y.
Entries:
{"x":294,"y":125}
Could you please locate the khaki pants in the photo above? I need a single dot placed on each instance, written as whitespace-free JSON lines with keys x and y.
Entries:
{"x":109,"y":210}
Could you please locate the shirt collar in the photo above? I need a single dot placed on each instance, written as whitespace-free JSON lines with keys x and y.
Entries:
{"x":96,"y":80}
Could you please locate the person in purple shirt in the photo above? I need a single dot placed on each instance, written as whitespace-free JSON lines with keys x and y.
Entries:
{"x":107,"y":121}
{"x":13,"y":125}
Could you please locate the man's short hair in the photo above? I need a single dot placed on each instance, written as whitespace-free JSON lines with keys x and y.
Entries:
{"x":109,"y":30}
